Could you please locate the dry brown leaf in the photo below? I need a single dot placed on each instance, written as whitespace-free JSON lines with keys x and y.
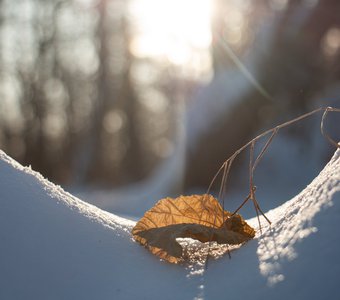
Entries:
{"x":200,"y":217}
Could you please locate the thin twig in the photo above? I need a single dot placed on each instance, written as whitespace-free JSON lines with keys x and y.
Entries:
{"x":322,"y":126}
{"x":264,"y":149}
{"x":226,"y":166}
{"x":273,"y":132}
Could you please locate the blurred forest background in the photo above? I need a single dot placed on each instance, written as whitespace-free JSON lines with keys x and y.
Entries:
{"x":102,"y":92}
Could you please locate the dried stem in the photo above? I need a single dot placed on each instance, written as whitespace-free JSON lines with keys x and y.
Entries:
{"x":226,"y":166}
{"x":253,"y":164}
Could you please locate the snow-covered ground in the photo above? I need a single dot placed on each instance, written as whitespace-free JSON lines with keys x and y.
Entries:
{"x":55,"y":246}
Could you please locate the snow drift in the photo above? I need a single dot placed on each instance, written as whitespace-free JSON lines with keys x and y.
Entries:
{"x":55,"y":246}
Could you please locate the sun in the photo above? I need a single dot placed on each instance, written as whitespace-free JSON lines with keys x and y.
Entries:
{"x":175,"y":30}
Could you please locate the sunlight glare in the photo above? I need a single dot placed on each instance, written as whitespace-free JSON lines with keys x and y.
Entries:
{"x":170,"y":29}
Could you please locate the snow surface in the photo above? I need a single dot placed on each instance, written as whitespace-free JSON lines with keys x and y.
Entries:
{"x":55,"y":246}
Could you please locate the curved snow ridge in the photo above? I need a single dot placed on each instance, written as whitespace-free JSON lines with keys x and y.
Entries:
{"x":297,"y":256}
{"x":297,"y":219}
{"x":16,"y":174}
{"x":55,"y":246}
